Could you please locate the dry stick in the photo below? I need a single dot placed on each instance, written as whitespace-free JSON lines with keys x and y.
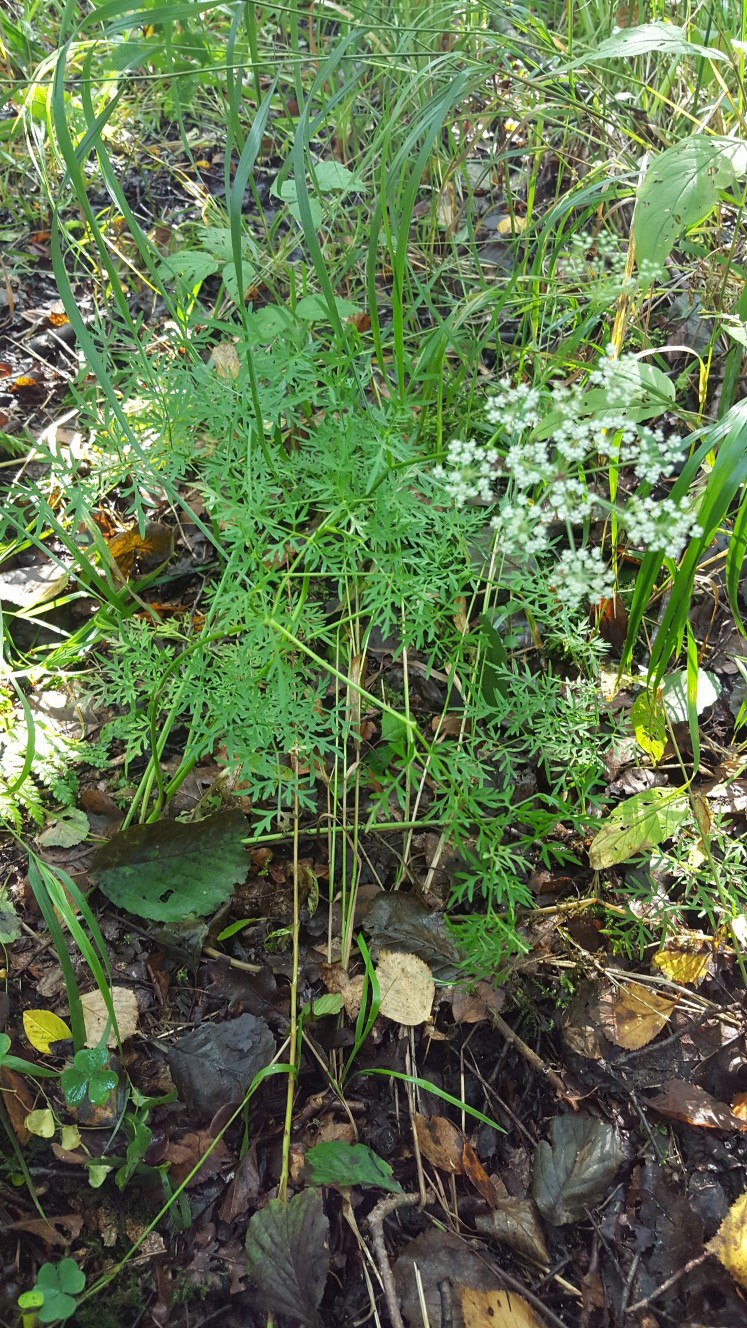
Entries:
{"x":670,"y":1282}
{"x":376,"y":1226}
{"x":531,"y":1056}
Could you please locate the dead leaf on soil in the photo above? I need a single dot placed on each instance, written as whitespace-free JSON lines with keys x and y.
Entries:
{"x":499,"y":1309}
{"x":632,"y":1016}
{"x":96,"y":1015}
{"x":730,"y":1242}
{"x":225,"y":360}
{"x":337,"y":980}
{"x":26,"y":587}
{"x":42,"y":1028}
{"x":739,"y":1106}
{"x":445,"y":1147}
{"x":579,"y":1023}
{"x":575,"y":1170}
{"x":476,"y":1005}
{"x":153,"y":547}
{"x":407,"y":988}
{"x":18,"y":1100}
{"x":515,"y":1222}
{"x":287,"y":1251}
{"x":692,"y":1105}
{"x":685,"y":959}
{"x":430,"y":1269}
{"x":185,"y":1153}
{"x":59,"y":1232}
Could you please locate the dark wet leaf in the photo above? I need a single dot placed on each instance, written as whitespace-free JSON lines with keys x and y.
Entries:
{"x":692,"y":1105}
{"x":342,"y":1164}
{"x":575,"y":1170}
{"x":431,"y":1269}
{"x":216,"y":1063}
{"x":400,"y":921}
{"x":287,"y":1255}
{"x":515,"y":1222}
{"x":171,"y":870}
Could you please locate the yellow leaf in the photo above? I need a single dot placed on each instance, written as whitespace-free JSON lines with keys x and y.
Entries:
{"x":511,"y":225}
{"x":42,"y":1027}
{"x":730,"y":1242}
{"x":41,"y":1123}
{"x":739,"y":1106}
{"x":631,"y":1015}
{"x":500,"y":1309}
{"x":70,"y":1137}
{"x":685,"y":959}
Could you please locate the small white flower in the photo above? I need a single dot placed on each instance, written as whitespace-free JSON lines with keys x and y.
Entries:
{"x":581,"y":575}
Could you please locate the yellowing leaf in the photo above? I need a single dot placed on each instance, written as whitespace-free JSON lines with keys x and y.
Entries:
{"x":70,"y":1137}
{"x":500,"y":1309}
{"x":631,"y":1016}
{"x":407,"y":987}
{"x":730,"y":1242}
{"x":639,"y":823}
{"x":96,"y":1015}
{"x":42,"y":1027}
{"x":41,"y":1123}
{"x":511,"y":225}
{"x":648,"y":718}
{"x":685,"y":959}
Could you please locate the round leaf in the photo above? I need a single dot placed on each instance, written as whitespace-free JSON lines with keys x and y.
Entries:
{"x":42,"y":1027}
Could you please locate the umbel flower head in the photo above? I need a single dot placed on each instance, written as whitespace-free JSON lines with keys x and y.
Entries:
{"x":541,"y":483}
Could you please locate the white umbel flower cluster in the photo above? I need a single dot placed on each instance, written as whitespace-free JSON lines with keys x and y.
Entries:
{"x":469,"y":473}
{"x":546,"y":480}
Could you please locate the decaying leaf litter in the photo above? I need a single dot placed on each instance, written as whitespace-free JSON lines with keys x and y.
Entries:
{"x":562,"y":1146}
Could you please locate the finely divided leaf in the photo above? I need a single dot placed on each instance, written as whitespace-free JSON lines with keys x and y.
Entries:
{"x":575,"y":1170}
{"x":171,"y":870}
{"x":338,"y":1163}
{"x":288,"y":1255}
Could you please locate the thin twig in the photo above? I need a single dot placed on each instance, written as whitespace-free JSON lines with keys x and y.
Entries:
{"x":531,"y":1056}
{"x":670,"y":1282}
{"x":376,"y":1219}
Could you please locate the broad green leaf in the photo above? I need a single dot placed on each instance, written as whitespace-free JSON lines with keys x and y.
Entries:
{"x":575,"y":1170}
{"x":639,"y":823}
{"x":97,"y":1174}
{"x":674,"y":694}
{"x":69,"y":827}
{"x":69,"y":1137}
{"x":41,"y":1123}
{"x":635,"y":391}
{"x":341,"y":1164}
{"x":313,"y":308}
{"x":171,"y":870}
{"x":648,"y":718}
{"x":680,"y":188}
{"x":287,"y":1255}
{"x":330,"y":1003}
{"x":332,"y":177}
{"x":10,"y":923}
{"x":647,"y":37}
{"x":42,"y":1027}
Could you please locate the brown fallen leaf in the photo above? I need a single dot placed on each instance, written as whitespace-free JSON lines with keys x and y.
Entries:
{"x":730,"y":1242}
{"x":632,"y":1016}
{"x":476,"y":1004}
{"x":739,"y":1106}
{"x":225,"y":360}
{"x":499,"y":1309}
{"x":18,"y":1101}
{"x":445,"y":1147}
{"x":516,"y":1223}
{"x":153,"y":547}
{"x":59,"y":1232}
{"x":579,"y":1023}
{"x":185,"y":1153}
{"x":337,"y":980}
{"x":692,"y":1105}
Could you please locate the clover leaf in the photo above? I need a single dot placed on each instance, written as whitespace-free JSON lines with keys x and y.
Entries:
{"x":53,"y":1296}
{"x":89,"y":1073}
